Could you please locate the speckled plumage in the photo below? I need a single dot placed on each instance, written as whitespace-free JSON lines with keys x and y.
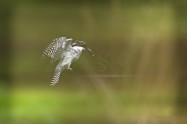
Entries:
{"x":66,"y":51}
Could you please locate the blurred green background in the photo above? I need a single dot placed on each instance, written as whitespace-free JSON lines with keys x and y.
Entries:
{"x":138,"y":74}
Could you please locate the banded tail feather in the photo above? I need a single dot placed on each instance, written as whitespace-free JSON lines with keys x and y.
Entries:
{"x":55,"y":78}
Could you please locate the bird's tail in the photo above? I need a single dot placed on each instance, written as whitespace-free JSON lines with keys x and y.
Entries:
{"x":55,"y":78}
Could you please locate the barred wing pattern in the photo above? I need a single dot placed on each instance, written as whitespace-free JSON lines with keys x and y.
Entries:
{"x":56,"y":48}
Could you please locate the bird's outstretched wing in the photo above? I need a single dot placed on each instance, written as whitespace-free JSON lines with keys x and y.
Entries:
{"x":56,"y":48}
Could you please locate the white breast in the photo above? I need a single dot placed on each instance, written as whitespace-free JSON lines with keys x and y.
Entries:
{"x":77,"y":51}
{"x":78,"y":48}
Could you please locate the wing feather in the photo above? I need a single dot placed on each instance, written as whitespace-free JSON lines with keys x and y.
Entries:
{"x":56,"y":48}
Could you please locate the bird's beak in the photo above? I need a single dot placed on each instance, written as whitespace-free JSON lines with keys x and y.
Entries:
{"x":90,"y":51}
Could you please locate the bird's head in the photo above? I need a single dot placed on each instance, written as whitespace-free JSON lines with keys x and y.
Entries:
{"x":84,"y":45}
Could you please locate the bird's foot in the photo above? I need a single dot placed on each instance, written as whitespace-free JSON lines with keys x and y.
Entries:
{"x":70,"y":69}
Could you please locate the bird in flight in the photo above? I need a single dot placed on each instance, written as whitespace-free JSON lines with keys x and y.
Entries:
{"x":66,"y":51}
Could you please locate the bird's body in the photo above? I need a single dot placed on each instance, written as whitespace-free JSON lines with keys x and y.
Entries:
{"x":69,"y":56}
{"x":67,"y":52}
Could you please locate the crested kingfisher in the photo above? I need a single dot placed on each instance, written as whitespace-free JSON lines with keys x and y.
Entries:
{"x":66,"y":51}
